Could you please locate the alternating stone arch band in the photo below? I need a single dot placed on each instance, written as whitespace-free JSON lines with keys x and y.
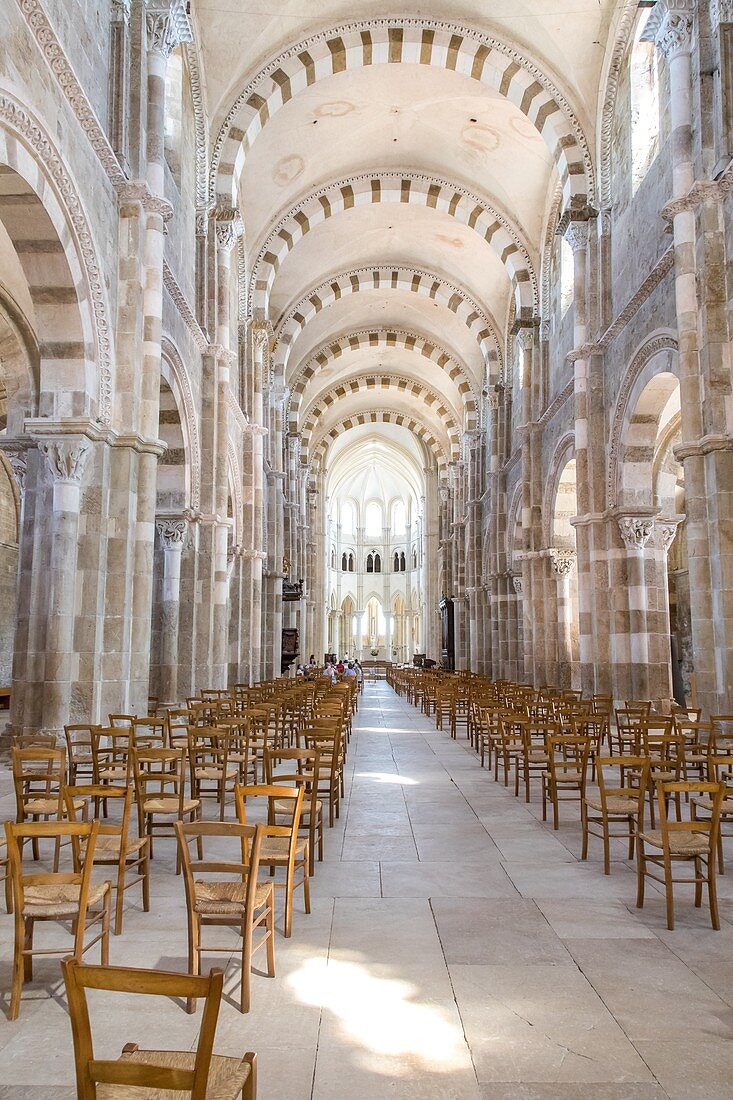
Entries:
{"x":413,"y":188}
{"x":448,"y":46}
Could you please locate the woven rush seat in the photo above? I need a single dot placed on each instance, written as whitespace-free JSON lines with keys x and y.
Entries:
{"x":565,"y":777}
{"x":281,"y":807}
{"x":615,"y":804}
{"x":47,"y":805}
{"x":278,"y":847}
{"x":726,"y":806}
{"x":169,"y":804}
{"x":215,"y":773}
{"x":227,"y":898}
{"x":680,"y":844}
{"x":537,"y":757}
{"x":227,"y":1077}
{"x":109,"y":847}
{"x":59,"y":900}
{"x":113,"y":773}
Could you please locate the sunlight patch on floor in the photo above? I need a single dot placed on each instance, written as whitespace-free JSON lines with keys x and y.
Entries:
{"x":380,"y":1015}
{"x":387,"y":777}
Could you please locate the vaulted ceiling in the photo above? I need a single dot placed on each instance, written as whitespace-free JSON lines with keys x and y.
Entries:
{"x":395,"y":175}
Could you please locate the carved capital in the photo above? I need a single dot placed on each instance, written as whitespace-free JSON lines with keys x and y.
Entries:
{"x":167,"y":26}
{"x":525,"y":337}
{"x":636,"y":530}
{"x":66,"y":457}
{"x":665,"y":531}
{"x":563,"y":560}
{"x":262,"y":335}
{"x":721,"y":11}
{"x":16,"y":452}
{"x":172,"y":531}
{"x":121,"y":10}
{"x":517,"y":582}
{"x":229,"y":227}
{"x":673,"y":27}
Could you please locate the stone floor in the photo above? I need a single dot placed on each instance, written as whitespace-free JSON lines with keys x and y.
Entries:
{"x":457,"y":949}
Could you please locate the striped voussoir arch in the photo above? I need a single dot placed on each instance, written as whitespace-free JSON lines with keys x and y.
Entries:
{"x":412,"y":188}
{"x":411,"y":280}
{"x":45,"y":246}
{"x":442,"y":45}
{"x":382,"y":416}
{"x":384,"y":384}
{"x":382,"y":338}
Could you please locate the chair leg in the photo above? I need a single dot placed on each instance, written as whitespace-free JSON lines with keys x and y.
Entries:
{"x":194,"y":958}
{"x":288,"y":930}
{"x":640,"y":873}
{"x":28,"y":948}
{"x":584,"y":827}
{"x":606,"y":849}
{"x":668,"y":890}
{"x":21,"y":934}
{"x":306,"y":884}
{"x":119,"y":899}
{"x":146,"y":883}
{"x":249,"y":1092}
{"x":246,"y":980}
{"x":270,"y":945}
{"x":555,"y":810}
{"x":713,"y":894}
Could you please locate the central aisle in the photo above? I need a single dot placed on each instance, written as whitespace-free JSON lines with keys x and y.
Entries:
{"x":457,"y":947}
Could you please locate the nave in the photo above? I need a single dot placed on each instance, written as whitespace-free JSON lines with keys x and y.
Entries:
{"x":456,"y":948}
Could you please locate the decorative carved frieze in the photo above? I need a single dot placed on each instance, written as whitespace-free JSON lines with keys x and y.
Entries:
{"x":172,"y":531}
{"x":121,"y":10}
{"x":636,"y":531}
{"x":138,"y":191}
{"x":67,"y":457}
{"x":721,"y":11}
{"x":181,"y":303}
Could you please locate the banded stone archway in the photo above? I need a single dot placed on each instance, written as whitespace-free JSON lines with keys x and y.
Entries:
{"x":369,"y":339}
{"x":415,"y":188}
{"x":386,"y":384}
{"x":424,"y":283}
{"x":446,"y":46}
{"x":381,"y":416}
{"x":60,"y":264}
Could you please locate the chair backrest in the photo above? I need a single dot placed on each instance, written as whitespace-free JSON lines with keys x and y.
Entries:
{"x":17,"y":834}
{"x":273,"y":794}
{"x":38,"y":772}
{"x":159,"y":772}
{"x":568,"y":756}
{"x":79,"y":738}
{"x":623,"y":777}
{"x":94,"y":793}
{"x":149,"y":731}
{"x":122,"y":719}
{"x":112,"y":746}
{"x":249,"y":843}
{"x":708,"y":826}
{"x":91,"y":1072}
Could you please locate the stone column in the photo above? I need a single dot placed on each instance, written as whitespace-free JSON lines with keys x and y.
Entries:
{"x":563,"y":561}
{"x":172,"y":531}
{"x":66,"y":459}
{"x":119,"y":82}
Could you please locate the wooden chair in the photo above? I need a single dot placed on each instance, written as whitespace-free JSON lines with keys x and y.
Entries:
{"x":693,"y":841}
{"x":534,"y":759}
{"x":39,"y":778}
{"x":122,"y":720}
{"x":150,"y":732}
{"x":720,"y":770}
{"x":307,"y":764}
{"x":115,"y":846}
{"x":80,"y":751}
{"x":617,"y":803}
{"x":160,"y":792}
{"x":54,"y":896}
{"x":244,"y":902}
{"x":154,"y":1074}
{"x":212,"y":776}
{"x":565,"y":777}
{"x":284,"y":847}
{"x":511,"y":732}
{"x":328,"y":743}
